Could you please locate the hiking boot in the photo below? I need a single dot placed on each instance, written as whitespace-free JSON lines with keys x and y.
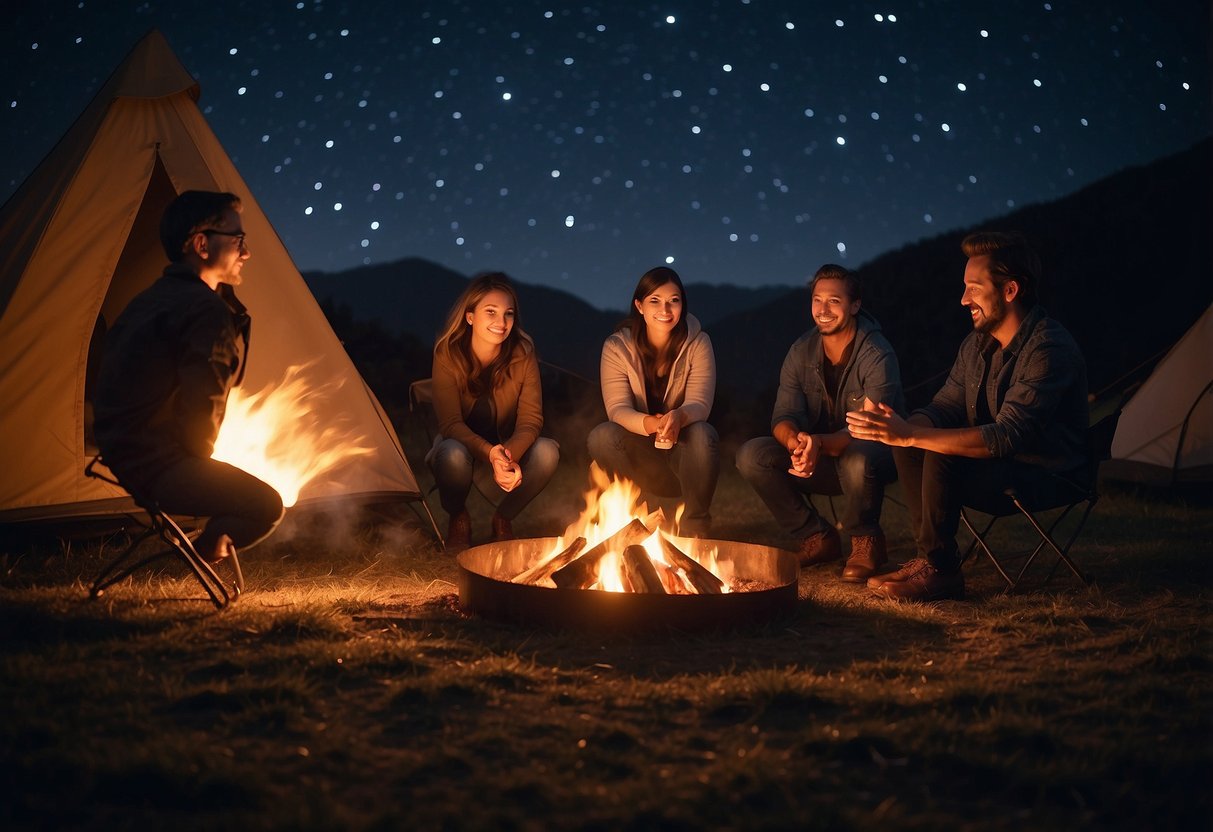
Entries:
{"x":502,"y":529}
{"x":924,"y":583}
{"x":867,"y":555}
{"x":459,"y":533}
{"x":877,"y":581}
{"x":823,"y":547}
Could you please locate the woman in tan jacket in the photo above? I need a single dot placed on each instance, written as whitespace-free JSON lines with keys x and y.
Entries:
{"x":489,"y":406}
{"x":658,"y":377}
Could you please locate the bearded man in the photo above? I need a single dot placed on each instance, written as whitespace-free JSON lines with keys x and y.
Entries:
{"x":1012,"y":413}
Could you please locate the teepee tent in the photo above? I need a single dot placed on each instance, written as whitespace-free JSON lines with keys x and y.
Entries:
{"x":79,"y":238}
{"x":1165,"y":434}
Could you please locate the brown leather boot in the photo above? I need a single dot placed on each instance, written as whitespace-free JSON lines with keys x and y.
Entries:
{"x":867,"y":555}
{"x":502,"y":529}
{"x":822,"y":547}
{"x":459,"y":533}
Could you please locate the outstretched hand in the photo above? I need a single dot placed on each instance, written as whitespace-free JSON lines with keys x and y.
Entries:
{"x":879,"y":425}
{"x":506,"y":472}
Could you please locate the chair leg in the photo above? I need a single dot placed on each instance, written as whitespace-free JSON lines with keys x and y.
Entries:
{"x":979,"y":540}
{"x":220,"y":592}
{"x":1062,"y":552}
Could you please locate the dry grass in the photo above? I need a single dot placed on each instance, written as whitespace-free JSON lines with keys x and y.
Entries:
{"x":347,"y":690}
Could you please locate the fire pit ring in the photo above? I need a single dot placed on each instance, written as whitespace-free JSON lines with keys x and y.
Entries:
{"x":485,"y":589}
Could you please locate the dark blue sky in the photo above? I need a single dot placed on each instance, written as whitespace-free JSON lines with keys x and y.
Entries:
{"x":579,"y":144}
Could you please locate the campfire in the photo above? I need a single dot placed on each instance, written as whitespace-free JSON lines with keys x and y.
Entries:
{"x":274,"y":435}
{"x":617,"y":545}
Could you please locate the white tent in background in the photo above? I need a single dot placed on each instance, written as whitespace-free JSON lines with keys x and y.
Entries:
{"x":1165,"y":434}
{"x":80,"y":238}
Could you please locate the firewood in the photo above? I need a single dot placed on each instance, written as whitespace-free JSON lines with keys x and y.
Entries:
{"x":640,"y":572}
{"x":701,"y":578}
{"x":580,"y":572}
{"x":541,"y":571}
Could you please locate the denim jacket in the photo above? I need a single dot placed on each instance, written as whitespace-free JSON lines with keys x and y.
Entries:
{"x":1036,"y":391}
{"x":872,"y":370}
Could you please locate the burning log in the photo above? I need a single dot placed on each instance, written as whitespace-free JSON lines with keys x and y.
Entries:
{"x":581,"y":572}
{"x":701,"y":578}
{"x":538,"y":573}
{"x":640,"y":572}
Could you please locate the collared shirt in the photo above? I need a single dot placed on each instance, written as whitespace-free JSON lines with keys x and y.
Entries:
{"x":1035,"y":389}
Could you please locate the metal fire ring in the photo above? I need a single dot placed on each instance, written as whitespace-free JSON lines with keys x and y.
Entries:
{"x":485,"y":589}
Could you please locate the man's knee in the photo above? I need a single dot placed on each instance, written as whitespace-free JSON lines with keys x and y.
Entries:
{"x":266,"y":509}
{"x":866,"y":460}
{"x":754,"y":457}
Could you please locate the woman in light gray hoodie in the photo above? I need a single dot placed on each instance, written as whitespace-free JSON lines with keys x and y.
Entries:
{"x":658,"y":380}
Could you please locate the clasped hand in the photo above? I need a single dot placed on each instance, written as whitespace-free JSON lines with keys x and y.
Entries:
{"x":506,"y":472}
{"x":804,"y":455}
{"x":665,"y":425}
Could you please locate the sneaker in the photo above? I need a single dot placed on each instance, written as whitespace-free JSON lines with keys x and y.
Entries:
{"x":459,"y":533}
{"x":502,"y":528}
{"x":867,"y":555}
{"x":924,"y":583}
{"x":823,"y":547}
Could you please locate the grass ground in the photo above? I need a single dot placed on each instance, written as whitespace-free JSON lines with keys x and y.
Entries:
{"x":347,"y":690}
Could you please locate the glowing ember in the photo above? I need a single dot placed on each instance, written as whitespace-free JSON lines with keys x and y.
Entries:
{"x":613,"y":513}
{"x":274,"y":435}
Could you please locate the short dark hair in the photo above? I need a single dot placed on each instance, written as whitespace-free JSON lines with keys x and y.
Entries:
{"x":832,"y":271}
{"x":1011,"y":258}
{"x":188,"y":214}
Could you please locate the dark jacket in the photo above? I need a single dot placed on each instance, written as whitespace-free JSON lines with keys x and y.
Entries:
{"x":1036,"y":392}
{"x":872,"y":370}
{"x":170,"y":360}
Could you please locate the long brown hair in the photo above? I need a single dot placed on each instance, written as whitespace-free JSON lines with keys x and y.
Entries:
{"x":455,"y":341}
{"x":650,"y":357}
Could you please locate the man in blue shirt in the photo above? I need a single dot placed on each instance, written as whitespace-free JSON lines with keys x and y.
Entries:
{"x":1012,"y":412}
{"x":842,"y":362}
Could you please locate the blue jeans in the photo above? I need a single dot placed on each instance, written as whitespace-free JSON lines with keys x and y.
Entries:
{"x":454,"y":469}
{"x":238,"y":504}
{"x":859,"y":474}
{"x":689,"y":470}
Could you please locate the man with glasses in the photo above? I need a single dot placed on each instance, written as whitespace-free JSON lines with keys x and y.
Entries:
{"x":170,"y":360}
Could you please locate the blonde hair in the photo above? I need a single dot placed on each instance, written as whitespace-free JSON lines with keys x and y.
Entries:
{"x":454,"y":343}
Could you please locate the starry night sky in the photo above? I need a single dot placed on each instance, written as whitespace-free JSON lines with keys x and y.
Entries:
{"x":578,"y":144}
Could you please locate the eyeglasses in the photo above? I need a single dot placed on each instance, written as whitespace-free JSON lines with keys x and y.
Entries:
{"x":239,"y":235}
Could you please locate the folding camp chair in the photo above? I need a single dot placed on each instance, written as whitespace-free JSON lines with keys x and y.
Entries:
{"x":179,"y":543}
{"x":1063,"y":492}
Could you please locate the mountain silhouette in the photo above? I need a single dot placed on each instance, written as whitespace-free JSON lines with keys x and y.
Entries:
{"x":413,"y":296}
{"x":1128,"y":267}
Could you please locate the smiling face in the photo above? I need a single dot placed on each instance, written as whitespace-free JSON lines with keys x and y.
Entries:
{"x":987,"y":304}
{"x":661,"y":310}
{"x":833,"y":310}
{"x":491,"y":320}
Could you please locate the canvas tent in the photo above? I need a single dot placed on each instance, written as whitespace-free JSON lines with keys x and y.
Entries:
{"x":80,"y":237}
{"x":1165,"y":434}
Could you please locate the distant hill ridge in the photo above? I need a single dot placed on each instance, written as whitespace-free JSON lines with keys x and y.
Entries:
{"x":1128,"y":267}
{"x":413,"y":296}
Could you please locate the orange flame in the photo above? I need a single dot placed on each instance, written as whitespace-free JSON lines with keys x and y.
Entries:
{"x":275,"y":435}
{"x":610,"y":504}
